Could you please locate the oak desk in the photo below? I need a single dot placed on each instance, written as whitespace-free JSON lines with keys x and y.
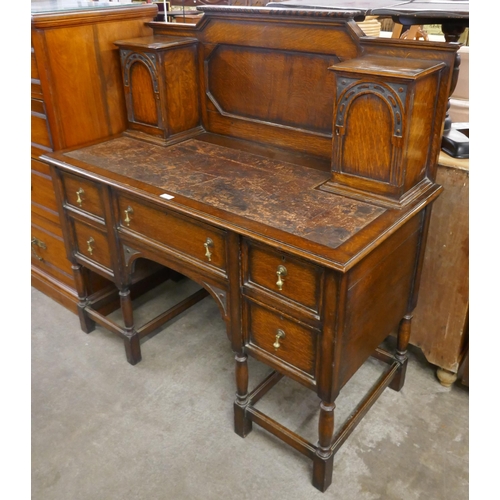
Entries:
{"x":291,"y":175}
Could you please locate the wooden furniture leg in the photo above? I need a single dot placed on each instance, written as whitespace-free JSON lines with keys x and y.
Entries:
{"x":446,"y":377}
{"x":86,"y":323}
{"x":323,"y":459}
{"x":401,"y":355}
{"x":131,"y":338}
{"x":242,"y":424}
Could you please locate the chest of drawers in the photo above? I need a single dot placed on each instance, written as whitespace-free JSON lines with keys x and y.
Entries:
{"x":72,"y":54}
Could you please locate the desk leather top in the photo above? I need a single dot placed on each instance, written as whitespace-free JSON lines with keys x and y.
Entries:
{"x":268,"y":191}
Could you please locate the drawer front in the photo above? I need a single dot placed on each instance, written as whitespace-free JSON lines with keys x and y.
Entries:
{"x":200,"y":241}
{"x":282,"y":338}
{"x":92,"y":244}
{"x":42,"y":189}
{"x":283,"y":275}
{"x":34,"y":67}
{"x":48,"y":252}
{"x":36,"y":87}
{"x":83,"y":194}
{"x":40,"y":132}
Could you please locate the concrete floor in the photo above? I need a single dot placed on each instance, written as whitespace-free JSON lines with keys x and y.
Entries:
{"x":163,"y":429}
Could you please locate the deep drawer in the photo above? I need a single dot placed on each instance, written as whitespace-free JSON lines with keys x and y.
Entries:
{"x":195,"y":239}
{"x":282,"y":338}
{"x":83,"y":194}
{"x":282,"y":275}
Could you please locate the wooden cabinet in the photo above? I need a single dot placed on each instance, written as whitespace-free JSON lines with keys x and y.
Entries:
{"x":76,"y":97}
{"x":441,"y":324}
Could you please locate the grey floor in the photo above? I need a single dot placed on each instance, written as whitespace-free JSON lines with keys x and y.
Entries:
{"x":162,"y":430}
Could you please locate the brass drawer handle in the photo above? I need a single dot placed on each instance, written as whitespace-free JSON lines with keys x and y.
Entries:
{"x":90,"y":242}
{"x":280,"y":334}
{"x":208,"y":254}
{"x":281,"y":272}
{"x":79,"y":195}
{"x":128,"y":212}
{"x":39,"y":244}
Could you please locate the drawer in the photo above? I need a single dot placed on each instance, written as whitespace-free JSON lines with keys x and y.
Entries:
{"x":40,"y":132}
{"x":92,"y":244}
{"x":83,"y":194}
{"x":297,"y":343}
{"x":42,"y":189}
{"x":48,"y":252}
{"x":283,"y":275}
{"x":34,"y":67}
{"x":195,"y":239}
{"x":36,"y":87}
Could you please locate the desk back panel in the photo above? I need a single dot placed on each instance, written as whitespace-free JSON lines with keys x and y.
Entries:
{"x":274,"y":77}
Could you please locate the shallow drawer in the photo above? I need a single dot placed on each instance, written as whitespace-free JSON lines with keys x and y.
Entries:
{"x":92,"y":244}
{"x":42,"y":189}
{"x":200,"y":241}
{"x":283,"y":275}
{"x":34,"y":67}
{"x":48,"y":252}
{"x":282,"y":338}
{"x":40,"y":132}
{"x":36,"y":87}
{"x":83,"y":194}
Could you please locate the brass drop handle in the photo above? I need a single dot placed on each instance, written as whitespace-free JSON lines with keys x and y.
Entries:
{"x":128,"y":212}
{"x":38,"y":243}
{"x":90,"y":242}
{"x":280,"y":334}
{"x":281,"y":272}
{"x":208,"y":254}
{"x":79,"y":195}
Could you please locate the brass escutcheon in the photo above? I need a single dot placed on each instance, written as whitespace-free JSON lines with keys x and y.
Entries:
{"x":280,"y":334}
{"x":281,"y":271}
{"x":79,"y":195}
{"x":208,"y":253}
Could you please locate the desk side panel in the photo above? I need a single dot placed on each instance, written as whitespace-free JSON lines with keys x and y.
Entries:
{"x":378,"y":293}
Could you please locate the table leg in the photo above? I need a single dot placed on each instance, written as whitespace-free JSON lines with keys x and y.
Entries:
{"x":323,"y":459}
{"x":402,"y":353}
{"x":131,"y":338}
{"x":86,"y":324}
{"x":242,"y":424}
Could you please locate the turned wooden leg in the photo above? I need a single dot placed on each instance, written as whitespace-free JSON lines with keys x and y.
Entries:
{"x":242,"y":424}
{"x":131,"y":339}
{"x":86,"y":324}
{"x":323,"y":460}
{"x":402,"y":353}
{"x":446,"y":377}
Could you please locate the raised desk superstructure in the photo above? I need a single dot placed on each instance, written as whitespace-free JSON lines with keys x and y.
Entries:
{"x":286,"y":163}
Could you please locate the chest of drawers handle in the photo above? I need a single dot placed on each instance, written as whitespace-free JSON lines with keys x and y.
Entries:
{"x":79,"y":196}
{"x":90,"y":242}
{"x":128,"y":212}
{"x":280,"y":334}
{"x":208,"y":244}
{"x":281,"y":272}
{"x":35,"y":242}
